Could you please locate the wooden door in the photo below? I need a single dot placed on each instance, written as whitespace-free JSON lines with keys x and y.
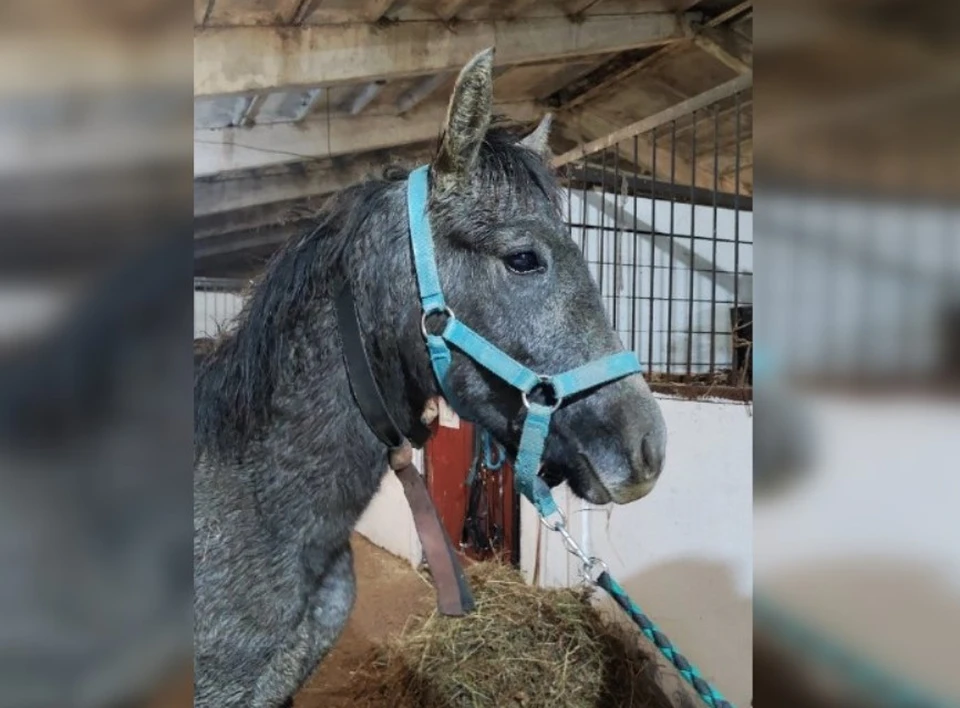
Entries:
{"x":448,"y":456}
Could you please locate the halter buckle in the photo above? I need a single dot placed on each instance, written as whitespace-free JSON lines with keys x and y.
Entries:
{"x":437,"y":311}
{"x":546,"y":382}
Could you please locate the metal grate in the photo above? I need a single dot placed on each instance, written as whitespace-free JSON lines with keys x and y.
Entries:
{"x":667,"y":230}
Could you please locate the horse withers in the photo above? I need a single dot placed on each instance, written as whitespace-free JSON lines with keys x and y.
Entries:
{"x":285,"y":463}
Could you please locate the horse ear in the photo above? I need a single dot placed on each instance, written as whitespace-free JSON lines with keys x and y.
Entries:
{"x":539,"y":139}
{"x":467,"y":121}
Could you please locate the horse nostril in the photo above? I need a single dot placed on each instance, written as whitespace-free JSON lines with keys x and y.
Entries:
{"x":652,"y":453}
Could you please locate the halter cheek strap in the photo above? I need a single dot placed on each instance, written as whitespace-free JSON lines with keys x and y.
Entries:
{"x":536,"y":425}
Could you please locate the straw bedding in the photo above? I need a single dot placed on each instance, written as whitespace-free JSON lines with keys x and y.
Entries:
{"x":522,"y":647}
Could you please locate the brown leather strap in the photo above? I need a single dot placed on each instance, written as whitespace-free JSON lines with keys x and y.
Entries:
{"x":453,"y":592}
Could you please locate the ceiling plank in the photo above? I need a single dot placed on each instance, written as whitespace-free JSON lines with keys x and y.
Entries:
{"x":373,"y":10}
{"x":724,"y":47}
{"x":220,"y":196}
{"x":417,"y":93}
{"x":365,"y":97}
{"x":447,"y":9}
{"x":231,"y":60}
{"x":231,"y":149}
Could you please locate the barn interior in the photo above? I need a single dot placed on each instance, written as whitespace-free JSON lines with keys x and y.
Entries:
{"x":297,"y":99}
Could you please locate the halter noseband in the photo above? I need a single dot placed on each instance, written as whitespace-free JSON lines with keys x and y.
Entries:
{"x":536,"y":425}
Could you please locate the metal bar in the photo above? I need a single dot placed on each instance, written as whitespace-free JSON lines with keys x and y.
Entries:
{"x":673,"y":204}
{"x":637,"y":185}
{"x":693,"y":245}
{"x":668,"y":115}
{"x":610,"y":229}
{"x":653,"y":245}
{"x":583,"y":220}
{"x":634,"y":258}
{"x":603,"y":221}
{"x":736,"y":234}
{"x":616,"y":236}
{"x":713,"y":276}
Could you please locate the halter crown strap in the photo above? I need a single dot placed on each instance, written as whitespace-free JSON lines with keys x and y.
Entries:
{"x":421,"y":238}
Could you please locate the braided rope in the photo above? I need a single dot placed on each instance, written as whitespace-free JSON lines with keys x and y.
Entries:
{"x":688,"y":671}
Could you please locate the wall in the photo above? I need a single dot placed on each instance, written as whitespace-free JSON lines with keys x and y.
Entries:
{"x":213,"y":311}
{"x":684,"y":553}
{"x":388,"y":521}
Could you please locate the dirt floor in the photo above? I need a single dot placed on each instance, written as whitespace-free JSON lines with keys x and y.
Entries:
{"x":389,"y":591}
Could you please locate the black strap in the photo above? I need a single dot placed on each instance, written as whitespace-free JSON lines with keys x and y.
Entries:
{"x":366,"y":393}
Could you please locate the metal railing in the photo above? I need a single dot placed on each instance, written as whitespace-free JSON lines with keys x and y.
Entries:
{"x":664,"y":218}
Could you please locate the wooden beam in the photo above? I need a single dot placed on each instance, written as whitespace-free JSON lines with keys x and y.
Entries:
{"x":373,"y":10}
{"x":718,"y":93}
{"x":230,"y":60}
{"x":242,"y":241}
{"x":517,"y":8}
{"x":596,"y":88}
{"x":727,"y":15}
{"x":576,"y":7}
{"x":446,"y":10}
{"x":310,"y":99}
{"x":220,"y":196}
{"x":231,"y":149}
{"x":420,"y":91}
{"x":365,"y":97}
{"x":723,"y":47}
{"x":256,"y":217}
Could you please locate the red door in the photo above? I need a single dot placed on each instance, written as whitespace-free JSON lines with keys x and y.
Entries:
{"x":448,"y":456}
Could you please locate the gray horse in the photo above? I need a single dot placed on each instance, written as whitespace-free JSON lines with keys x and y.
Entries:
{"x":285,"y":462}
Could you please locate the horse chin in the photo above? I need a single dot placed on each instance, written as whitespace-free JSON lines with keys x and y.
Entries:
{"x":581,"y":478}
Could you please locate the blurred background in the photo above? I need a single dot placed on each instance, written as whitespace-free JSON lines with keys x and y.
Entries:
{"x":856,"y":419}
{"x":95,"y":361}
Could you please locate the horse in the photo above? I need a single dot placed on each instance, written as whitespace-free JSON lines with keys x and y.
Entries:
{"x":285,"y":463}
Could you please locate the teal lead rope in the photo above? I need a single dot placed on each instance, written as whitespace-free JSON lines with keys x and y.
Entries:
{"x":691,"y":675}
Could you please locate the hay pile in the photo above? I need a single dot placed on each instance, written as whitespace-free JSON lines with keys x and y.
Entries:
{"x":522,"y":647}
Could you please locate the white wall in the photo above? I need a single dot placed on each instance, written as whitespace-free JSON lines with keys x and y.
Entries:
{"x":388,"y":521}
{"x":213,"y":311}
{"x":684,"y":553}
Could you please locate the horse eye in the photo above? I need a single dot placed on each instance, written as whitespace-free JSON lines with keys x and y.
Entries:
{"x":523,"y":262}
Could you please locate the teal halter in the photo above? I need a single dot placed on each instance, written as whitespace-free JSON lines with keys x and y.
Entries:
{"x":536,"y":425}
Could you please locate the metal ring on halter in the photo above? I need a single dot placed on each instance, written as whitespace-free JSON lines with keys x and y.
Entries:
{"x":443,"y":310}
{"x":544,"y":381}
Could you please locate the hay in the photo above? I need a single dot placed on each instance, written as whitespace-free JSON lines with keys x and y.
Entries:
{"x":523,"y":646}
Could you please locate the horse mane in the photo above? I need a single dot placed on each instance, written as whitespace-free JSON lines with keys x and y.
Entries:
{"x":235,"y":383}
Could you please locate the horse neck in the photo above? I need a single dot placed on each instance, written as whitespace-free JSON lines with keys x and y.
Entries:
{"x":317,"y":424}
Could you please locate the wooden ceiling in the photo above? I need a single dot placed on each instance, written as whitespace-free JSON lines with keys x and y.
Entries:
{"x":295,"y":99}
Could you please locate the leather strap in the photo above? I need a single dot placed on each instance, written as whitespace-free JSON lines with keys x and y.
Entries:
{"x":453,"y":592}
{"x":454,"y":597}
{"x":364,"y":387}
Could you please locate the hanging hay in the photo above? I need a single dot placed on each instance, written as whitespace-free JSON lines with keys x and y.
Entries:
{"x":523,"y":646}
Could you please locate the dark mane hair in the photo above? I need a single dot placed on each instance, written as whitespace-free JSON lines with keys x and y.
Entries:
{"x":235,"y":383}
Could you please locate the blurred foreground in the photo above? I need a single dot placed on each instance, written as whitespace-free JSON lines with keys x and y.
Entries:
{"x":95,"y":364}
{"x":857,"y":417}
